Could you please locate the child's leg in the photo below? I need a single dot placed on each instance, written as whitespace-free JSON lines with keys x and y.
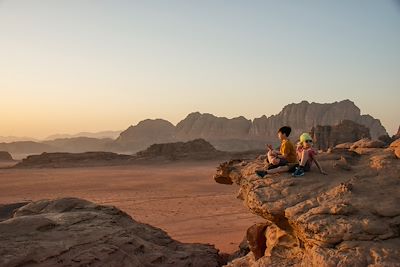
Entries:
{"x":279,"y":169}
{"x":272,"y":158}
{"x":304,"y":158}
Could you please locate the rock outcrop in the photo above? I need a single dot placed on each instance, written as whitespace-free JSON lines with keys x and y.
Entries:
{"x":350,"y":217}
{"x":64,"y":160}
{"x":5,"y":156}
{"x":195,"y":149}
{"x":346,"y":131}
{"x":76,"y":232}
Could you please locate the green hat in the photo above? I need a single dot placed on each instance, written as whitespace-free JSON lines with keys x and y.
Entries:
{"x":304,"y":137}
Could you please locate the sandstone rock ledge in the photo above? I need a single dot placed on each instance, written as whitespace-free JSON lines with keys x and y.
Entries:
{"x":350,"y":217}
{"x":76,"y":232}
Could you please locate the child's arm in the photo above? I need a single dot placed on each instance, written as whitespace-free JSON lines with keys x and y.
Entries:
{"x":319,"y":167}
{"x":270,"y":148}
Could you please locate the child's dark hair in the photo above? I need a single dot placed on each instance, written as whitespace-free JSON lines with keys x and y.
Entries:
{"x":285,"y":130}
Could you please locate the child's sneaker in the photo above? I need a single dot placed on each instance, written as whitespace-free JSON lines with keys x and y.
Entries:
{"x":298,"y":172}
{"x":261,"y":173}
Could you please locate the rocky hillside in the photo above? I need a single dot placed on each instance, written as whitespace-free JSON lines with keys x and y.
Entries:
{"x":351,"y":217}
{"x":242,"y":134}
{"x":76,"y":232}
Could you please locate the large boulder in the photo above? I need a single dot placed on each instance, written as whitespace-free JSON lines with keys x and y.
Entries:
{"x":76,"y":232}
{"x":368,"y":143}
{"x":350,"y":217}
{"x":346,"y":131}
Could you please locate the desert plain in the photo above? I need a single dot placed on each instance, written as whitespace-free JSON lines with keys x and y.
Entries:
{"x":181,"y":198}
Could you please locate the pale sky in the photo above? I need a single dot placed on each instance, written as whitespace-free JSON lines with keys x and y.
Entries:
{"x":80,"y":65}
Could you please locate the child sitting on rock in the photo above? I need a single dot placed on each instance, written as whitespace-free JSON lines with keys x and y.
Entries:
{"x":280,"y":161}
{"x":306,"y":155}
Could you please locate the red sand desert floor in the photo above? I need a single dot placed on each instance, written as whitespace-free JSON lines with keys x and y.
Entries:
{"x":180,"y":198}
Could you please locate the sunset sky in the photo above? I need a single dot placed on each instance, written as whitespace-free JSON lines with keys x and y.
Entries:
{"x":80,"y":65}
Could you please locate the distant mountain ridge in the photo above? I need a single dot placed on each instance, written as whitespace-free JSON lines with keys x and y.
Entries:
{"x":9,"y":139}
{"x":236,"y":134}
{"x":102,"y":134}
{"x":242,"y":134}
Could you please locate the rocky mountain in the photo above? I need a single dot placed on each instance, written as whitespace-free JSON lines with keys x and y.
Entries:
{"x":303,"y":116}
{"x":75,"y":232}
{"x":242,"y":134}
{"x":146,"y":133}
{"x":346,"y":131}
{"x":210,"y":127}
{"x":351,"y":217}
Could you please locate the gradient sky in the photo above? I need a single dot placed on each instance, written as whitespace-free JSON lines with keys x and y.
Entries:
{"x":80,"y":65}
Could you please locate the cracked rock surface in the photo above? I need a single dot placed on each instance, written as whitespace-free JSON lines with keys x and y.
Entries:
{"x":76,"y":232}
{"x":350,"y":217}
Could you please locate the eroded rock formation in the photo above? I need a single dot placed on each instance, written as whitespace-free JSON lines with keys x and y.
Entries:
{"x":346,"y":131}
{"x":351,"y":217}
{"x":240,"y":134}
{"x":76,"y":232}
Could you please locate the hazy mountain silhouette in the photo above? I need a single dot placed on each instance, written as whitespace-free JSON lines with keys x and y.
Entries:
{"x":236,"y":134}
{"x":102,"y":134}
